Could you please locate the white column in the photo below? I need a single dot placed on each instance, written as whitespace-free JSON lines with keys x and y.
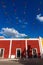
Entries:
{"x":26,"y":48}
{"x":10,"y":48}
{"x":40,"y":45}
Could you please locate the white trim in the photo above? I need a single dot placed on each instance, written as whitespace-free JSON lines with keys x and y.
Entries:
{"x":3,"y":52}
{"x":33,"y":39}
{"x":16,"y":52}
{"x":40,"y":46}
{"x":36,"y":51}
{"x":20,"y":39}
{"x":26,"y":48}
{"x":10,"y":48}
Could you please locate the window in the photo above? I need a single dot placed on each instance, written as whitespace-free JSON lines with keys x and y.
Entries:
{"x":34,"y":52}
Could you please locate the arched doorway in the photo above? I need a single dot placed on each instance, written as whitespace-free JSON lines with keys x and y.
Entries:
{"x":34,"y":53}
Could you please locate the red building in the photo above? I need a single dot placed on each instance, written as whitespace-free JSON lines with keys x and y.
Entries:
{"x":19,"y":48}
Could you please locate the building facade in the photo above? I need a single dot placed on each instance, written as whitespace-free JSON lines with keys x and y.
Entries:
{"x":21,"y":48}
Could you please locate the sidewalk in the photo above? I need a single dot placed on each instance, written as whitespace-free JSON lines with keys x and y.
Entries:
{"x":9,"y":59}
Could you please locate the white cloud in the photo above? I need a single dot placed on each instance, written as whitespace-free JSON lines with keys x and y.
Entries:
{"x":11,"y":32}
{"x":40,"y":18}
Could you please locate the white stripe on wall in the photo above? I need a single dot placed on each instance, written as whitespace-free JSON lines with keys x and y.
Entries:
{"x":26,"y":48}
{"x":10,"y":48}
{"x":40,"y":45}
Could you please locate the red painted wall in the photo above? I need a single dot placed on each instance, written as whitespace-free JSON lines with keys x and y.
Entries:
{"x":33,"y":44}
{"x":18,"y":44}
{"x":5,"y":44}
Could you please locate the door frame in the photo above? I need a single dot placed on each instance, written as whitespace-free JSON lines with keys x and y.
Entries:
{"x":3,"y":53}
{"x":36,"y":51}
{"x":16,"y":52}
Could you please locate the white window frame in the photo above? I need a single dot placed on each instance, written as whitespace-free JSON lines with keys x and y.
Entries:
{"x":16,"y":52}
{"x":36,"y":51}
{"x":3,"y":52}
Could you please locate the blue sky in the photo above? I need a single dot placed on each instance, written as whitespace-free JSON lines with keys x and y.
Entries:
{"x":25,"y":17}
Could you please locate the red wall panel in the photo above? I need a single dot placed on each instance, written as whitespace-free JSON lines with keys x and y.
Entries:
{"x":5,"y":44}
{"x":33,"y":44}
{"x":18,"y":44}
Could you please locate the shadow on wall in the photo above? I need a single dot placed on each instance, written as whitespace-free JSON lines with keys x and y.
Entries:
{"x":29,"y":53}
{"x":23,"y":54}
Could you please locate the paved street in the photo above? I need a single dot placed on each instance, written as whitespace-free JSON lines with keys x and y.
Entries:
{"x":9,"y":63}
{"x":23,"y":62}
